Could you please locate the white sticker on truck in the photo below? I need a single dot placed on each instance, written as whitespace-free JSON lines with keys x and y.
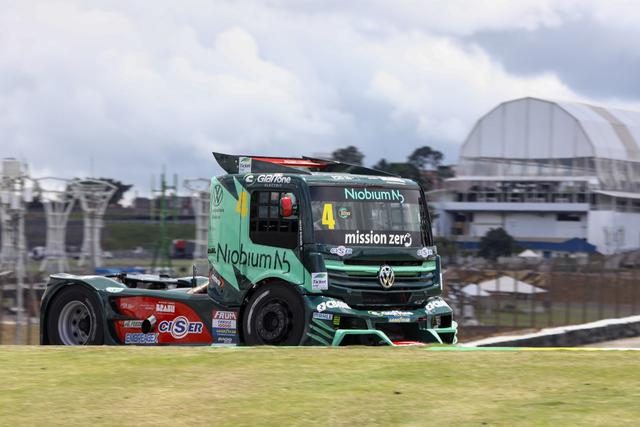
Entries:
{"x":319,"y":281}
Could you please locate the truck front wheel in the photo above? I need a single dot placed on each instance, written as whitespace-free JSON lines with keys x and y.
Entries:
{"x":274,"y":316}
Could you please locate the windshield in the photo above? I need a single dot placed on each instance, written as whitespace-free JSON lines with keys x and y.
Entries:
{"x":366,"y":216}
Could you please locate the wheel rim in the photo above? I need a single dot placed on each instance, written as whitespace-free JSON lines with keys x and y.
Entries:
{"x":273,"y":322}
{"x":74,"y":324}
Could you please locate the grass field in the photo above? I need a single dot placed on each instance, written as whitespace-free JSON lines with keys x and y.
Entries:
{"x":316,"y":386}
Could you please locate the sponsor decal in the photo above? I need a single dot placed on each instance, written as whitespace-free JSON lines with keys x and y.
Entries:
{"x":273,"y":261}
{"x":332,"y":303}
{"x":319,"y":281}
{"x":140,"y":338}
{"x":114,"y":290}
{"x":399,"y":320}
{"x":244,"y":165}
{"x":390,"y":313}
{"x":224,"y":326}
{"x":180,"y":327}
{"x":165,"y":308}
{"x":386,"y":277}
{"x":426,"y":252}
{"x":435,"y":303}
{"x":373,"y":238}
{"x":271,"y":178}
{"x":132,"y":324}
{"x":366,"y":194}
{"x":341,"y":251}
{"x":224,"y":319}
{"x":322,"y":316}
{"x":217,"y":195}
{"x":344,"y":213}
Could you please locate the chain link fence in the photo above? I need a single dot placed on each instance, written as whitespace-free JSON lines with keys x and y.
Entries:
{"x":491,"y":301}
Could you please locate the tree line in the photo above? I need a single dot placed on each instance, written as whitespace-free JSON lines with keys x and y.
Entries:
{"x":423,"y":165}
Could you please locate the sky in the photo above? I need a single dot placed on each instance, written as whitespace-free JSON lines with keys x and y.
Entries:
{"x":121,"y":88}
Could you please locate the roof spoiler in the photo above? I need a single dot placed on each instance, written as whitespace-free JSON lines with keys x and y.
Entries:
{"x":234,"y":164}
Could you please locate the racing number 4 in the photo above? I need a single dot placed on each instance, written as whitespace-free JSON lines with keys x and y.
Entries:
{"x":327,"y":216}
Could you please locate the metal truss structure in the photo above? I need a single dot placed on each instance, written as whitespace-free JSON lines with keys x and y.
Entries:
{"x":58,"y":199}
{"x":16,"y":190}
{"x":200,"y":197}
{"x":94,"y":196}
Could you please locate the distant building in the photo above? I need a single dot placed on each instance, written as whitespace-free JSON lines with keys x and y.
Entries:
{"x":558,"y":176}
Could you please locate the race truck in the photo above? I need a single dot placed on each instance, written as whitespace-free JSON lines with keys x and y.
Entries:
{"x":302,"y":251}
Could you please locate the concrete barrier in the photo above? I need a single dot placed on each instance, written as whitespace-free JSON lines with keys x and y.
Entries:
{"x":568,"y":336}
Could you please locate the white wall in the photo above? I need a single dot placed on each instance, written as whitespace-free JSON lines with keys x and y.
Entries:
{"x":528,"y":225}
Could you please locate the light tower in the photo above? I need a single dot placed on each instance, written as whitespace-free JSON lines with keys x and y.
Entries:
{"x":94,"y":196}
{"x":200,"y":196}
{"x":164,"y":196}
{"x":58,"y":199}
{"x":16,"y":190}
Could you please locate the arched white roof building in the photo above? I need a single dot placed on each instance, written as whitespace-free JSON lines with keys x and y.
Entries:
{"x":536,"y":137}
{"x":558,"y":176}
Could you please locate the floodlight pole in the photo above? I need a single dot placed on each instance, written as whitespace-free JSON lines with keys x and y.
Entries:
{"x":15,"y":193}
{"x":162,"y":252}
{"x":94,"y":196}
{"x":58,"y":204}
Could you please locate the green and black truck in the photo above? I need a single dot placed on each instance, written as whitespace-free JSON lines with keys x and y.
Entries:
{"x":302,"y":251}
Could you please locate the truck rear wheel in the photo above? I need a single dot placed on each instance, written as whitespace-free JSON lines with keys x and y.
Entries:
{"x":74,"y":319}
{"x":274,"y":316}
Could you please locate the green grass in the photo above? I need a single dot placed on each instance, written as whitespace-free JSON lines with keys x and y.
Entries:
{"x":316,"y":386}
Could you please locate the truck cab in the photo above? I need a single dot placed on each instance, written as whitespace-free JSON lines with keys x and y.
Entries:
{"x":311,"y":251}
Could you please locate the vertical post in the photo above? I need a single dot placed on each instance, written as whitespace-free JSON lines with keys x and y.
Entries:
{"x":532,"y":310}
{"x":549,"y":282}
{"x":498,"y":297}
{"x":31,"y":306}
{"x":585,"y":288}
{"x":2,"y":282}
{"x":600,"y":294}
{"x":515,"y":303}
{"x":617,"y":294}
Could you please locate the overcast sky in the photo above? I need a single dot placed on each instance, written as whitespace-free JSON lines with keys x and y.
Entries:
{"x":127,"y":86}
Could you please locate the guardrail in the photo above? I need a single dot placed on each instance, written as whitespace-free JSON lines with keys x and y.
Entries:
{"x":568,"y":336}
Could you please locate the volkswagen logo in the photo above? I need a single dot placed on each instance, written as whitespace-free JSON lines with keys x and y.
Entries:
{"x":386,"y":276}
{"x":217,"y":195}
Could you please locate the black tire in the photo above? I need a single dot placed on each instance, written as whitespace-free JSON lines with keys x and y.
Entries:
{"x":74,"y":318}
{"x":274,"y":316}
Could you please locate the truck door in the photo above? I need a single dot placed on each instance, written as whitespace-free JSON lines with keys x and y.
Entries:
{"x":270,"y":242}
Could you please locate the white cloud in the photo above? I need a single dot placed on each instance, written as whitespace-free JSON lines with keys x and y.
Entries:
{"x":134,"y":87}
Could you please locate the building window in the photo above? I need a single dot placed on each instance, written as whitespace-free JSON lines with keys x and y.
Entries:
{"x":568,"y":217}
{"x":266,"y":227}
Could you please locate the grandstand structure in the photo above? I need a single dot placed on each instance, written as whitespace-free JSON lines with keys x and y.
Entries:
{"x":560,"y":177}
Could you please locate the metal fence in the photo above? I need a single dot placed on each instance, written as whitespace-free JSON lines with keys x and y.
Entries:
{"x":12,"y":331}
{"x":485,"y":301}
{"x":494,"y":301}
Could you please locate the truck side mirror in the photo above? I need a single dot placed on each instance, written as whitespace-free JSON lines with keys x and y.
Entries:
{"x":286,"y":206}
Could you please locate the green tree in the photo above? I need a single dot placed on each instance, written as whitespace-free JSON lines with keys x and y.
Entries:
{"x":350,"y":155}
{"x":426,"y":158}
{"x":120,"y":191}
{"x":497,"y":242}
